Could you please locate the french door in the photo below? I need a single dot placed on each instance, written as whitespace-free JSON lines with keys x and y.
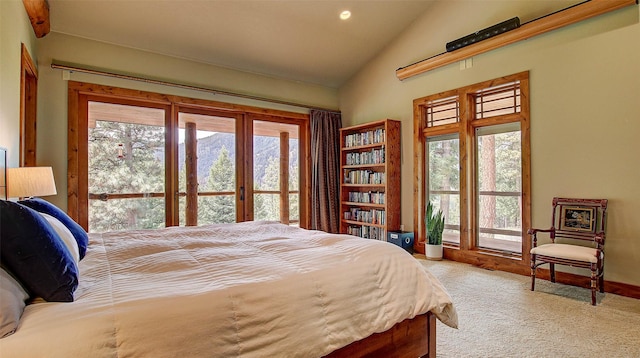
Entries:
{"x":150,"y":164}
{"x":276,"y":166}
{"x":210,"y":159}
{"x":126,"y":166}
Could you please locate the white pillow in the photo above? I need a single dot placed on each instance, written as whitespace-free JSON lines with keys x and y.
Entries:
{"x":12,"y":297}
{"x":66,"y":236}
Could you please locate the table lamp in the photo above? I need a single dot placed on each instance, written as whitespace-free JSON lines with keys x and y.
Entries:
{"x":27,"y":182}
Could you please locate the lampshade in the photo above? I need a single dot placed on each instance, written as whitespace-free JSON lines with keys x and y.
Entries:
{"x":30,"y":181}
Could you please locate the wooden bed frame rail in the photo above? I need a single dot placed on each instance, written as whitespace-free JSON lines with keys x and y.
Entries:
{"x":414,"y":337}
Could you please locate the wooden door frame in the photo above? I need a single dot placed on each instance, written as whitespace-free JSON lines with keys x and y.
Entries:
{"x":28,"y":109}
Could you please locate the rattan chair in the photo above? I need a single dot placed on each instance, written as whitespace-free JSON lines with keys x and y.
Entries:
{"x":577,"y":236}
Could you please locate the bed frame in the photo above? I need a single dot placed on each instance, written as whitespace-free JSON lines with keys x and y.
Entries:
{"x":414,"y":337}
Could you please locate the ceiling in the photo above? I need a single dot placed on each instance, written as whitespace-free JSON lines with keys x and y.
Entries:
{"x":299,"y":40}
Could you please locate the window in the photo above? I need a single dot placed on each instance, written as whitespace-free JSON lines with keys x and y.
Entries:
{"x":275,"y":171}
{"x":444,"y":182}
{"x":207,"y":146}
{"x":472,"y":163}
{"x":442,"y":111}
{"x":499,"y":178}
{"x":126,"y":167}
{"x":145,"y":160}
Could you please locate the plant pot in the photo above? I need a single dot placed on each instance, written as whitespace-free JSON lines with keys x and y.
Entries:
{"x":433,"y":252}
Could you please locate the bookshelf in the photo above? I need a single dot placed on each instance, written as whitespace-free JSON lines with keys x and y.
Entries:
{"x":370,"y":187}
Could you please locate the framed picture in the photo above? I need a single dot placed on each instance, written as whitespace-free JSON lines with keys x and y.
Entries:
{"x":577,"y":218}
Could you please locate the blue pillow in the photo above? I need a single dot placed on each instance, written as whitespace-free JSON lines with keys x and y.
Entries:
{"x":46,"y":207}
{"x":32,"y":250}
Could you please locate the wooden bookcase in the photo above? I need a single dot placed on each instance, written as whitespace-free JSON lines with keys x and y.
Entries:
{"x":370,"y":186}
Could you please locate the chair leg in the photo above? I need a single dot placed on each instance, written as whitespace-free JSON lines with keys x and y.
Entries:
{"x":552,"y":272}
{"x":533,"y":272}
{"x":601,"y":280}
{"x":594,"y":282}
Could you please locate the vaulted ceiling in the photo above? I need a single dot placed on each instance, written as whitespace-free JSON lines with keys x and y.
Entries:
{"x":299,"y":40}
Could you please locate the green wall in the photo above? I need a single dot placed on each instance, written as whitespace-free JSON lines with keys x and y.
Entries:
{"x":15,"y":29}
{"x":585,"y":99}
{"x":52,"y":101}
{"x":585,"y":105}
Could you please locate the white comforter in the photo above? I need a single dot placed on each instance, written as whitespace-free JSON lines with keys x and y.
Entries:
{"x":255,"y":289}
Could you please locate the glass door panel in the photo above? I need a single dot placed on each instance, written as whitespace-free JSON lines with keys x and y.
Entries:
{"x":444,"y":182}
{"x":126,"y":167}
{"x":214,"y":169}
{"x":499,"y":183}
{"x":276,"y":171}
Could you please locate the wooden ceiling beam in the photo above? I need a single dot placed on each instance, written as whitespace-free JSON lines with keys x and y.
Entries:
{"x":545,"y":24}
{"x":38,"y":11}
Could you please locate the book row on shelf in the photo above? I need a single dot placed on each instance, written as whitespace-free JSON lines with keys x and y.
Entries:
{"x":366,"y":138}
{"x":363,"y":177}
{"x":367,"y":232}
{"x":366,"y":197}
{"x":373,"y":216}
{"x":375,"y":156}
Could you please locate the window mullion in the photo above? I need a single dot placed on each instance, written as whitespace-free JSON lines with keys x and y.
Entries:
{"x":172,"y":217}
{"x":467,"y":172}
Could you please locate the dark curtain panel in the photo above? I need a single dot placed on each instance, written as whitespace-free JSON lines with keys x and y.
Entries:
{"x":325,"y":170}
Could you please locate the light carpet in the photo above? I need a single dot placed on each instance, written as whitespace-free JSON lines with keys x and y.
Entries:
{"x":499,"y":316}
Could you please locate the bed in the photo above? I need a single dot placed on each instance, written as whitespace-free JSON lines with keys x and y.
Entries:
{"x":252,"y":289}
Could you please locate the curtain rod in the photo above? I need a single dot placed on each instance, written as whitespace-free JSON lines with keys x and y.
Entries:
{"x":100,"y":72}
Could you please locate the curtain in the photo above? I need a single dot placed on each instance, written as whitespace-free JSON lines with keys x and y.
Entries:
{"x":325,"y":170}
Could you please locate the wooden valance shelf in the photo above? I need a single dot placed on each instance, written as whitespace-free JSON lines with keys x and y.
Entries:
{"x":545,"y":24}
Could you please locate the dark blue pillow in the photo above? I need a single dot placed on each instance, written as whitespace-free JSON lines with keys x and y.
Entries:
{"x":46,"y":207}
{"x":32,"y":250}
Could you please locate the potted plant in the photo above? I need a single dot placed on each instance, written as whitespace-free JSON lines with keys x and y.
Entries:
{"x":434,"y":225}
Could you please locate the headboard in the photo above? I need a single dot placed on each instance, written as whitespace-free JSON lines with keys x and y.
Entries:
{"x":3,"y":173}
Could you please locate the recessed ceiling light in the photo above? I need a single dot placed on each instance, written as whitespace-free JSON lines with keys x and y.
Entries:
{"x":345,"y":14}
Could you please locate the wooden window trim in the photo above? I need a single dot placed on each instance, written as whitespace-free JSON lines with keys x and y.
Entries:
{"x":79,"y":93}
{"x":468,"y":251}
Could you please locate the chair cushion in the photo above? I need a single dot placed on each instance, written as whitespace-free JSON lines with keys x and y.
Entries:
{"x":565,"y":251}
